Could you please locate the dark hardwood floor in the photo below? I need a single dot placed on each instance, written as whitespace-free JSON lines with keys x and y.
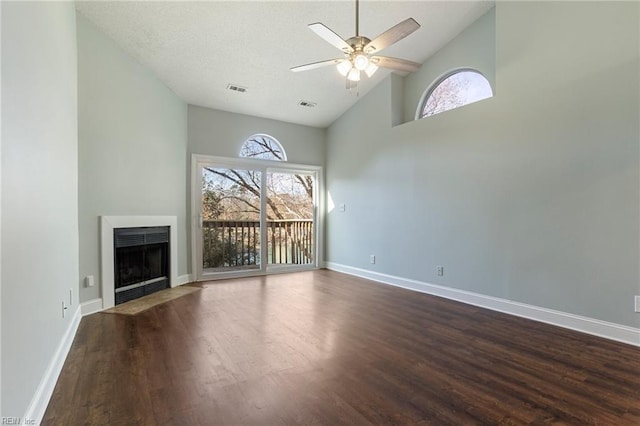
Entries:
{"x":326,"y":348}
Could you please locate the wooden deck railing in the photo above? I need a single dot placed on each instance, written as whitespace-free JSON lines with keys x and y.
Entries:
{"x":230,"y":243}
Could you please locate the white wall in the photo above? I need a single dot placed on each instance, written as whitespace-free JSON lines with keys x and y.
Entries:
{"x":531,"y":196}
{"x":39,"y":192}
{"x":132,"y":146}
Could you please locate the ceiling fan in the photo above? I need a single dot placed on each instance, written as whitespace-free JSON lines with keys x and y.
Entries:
{"x":360,"y":53}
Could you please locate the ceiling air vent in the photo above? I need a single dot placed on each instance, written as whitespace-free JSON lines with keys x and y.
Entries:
{"x":307,"y":104}
{"x":236,"y":88}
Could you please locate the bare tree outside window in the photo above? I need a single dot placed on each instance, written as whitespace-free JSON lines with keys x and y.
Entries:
{"x":238,"y":191}
{"x":263,"y":147}
{"x":231,"y":197}
{"x":458,"y":89}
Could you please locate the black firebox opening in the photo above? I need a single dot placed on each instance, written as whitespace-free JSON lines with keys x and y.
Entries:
{"x":141,"y":261}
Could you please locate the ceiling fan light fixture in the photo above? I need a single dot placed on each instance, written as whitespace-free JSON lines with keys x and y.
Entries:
{"x":360,"y":53}
{"x":354,"y":74}
{"x":371,"y":69}
{"x":361,"y":61}
{"x":344,"y":67}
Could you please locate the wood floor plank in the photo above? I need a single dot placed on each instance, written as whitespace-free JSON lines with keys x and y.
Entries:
{"x":323,"y":348}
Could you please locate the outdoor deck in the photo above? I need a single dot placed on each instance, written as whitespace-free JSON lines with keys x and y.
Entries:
{"x":230,"y":243}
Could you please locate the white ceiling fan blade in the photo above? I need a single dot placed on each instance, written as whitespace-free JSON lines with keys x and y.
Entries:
{"x":395,"y":63}
{"x":392,"y":35}
{"x":315,"y":65}
{"x":330,"y":37}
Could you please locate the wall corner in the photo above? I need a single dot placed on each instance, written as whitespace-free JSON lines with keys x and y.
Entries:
{"x":397,"y":99}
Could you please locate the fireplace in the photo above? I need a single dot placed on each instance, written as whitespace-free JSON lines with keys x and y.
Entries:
{"x":141,"y":261}
{"x":108,"y":224}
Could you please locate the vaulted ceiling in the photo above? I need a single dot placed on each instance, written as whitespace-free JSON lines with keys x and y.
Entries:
{"x":198,"y":48}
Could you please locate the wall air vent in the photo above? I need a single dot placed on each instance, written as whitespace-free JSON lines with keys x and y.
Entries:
{"x":236,"y":88}
{"x":307,"y":104}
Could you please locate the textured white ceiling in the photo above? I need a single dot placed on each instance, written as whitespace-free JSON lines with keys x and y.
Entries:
{"x":198,"y":48}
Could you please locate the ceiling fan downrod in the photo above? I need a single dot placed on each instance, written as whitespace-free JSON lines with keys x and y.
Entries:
{"x":357,"y":18}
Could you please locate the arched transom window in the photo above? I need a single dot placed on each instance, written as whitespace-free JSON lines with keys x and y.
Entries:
{"x":263,"y":147}
{"x":456,"y":89}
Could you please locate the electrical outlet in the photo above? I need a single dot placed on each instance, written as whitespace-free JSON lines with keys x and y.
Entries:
{"x":440,"y":270}
{"x":88,"y":281}
{"x":372,"y":258}
{"x":342,"y":208}
{"x":637,"y":303}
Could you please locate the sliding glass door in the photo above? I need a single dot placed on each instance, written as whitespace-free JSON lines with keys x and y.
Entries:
{"x":230,"y":212}
{"x":290,"y":219}
{"x":253,"y":218}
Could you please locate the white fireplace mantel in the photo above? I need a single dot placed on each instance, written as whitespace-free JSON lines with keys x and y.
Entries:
{"x":107,"y":225}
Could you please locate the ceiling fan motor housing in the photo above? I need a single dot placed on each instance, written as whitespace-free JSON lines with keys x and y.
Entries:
{"x":358,"y":43}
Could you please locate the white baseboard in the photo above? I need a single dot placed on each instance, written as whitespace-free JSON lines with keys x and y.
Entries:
{"x":608,"y":330}
{"x":91,"y":306}
{"x":183,"y":279}
{"x":41,"y":398}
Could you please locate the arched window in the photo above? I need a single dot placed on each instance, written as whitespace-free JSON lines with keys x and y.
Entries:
{"x":456,"y":89}
{"x":264,"y":147}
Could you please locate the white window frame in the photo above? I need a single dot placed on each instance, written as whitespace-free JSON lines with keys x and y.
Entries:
{"x":435,"y":83}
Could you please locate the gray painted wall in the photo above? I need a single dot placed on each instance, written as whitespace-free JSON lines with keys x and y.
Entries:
{"x":39,"y":192}
{"x":132,"y":133}
{"x":221,"y":133}
{"x":531,"y":196}
{"x":473,"y":48}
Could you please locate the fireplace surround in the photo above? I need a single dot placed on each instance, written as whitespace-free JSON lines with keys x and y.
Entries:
{"x":107,"y":226}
